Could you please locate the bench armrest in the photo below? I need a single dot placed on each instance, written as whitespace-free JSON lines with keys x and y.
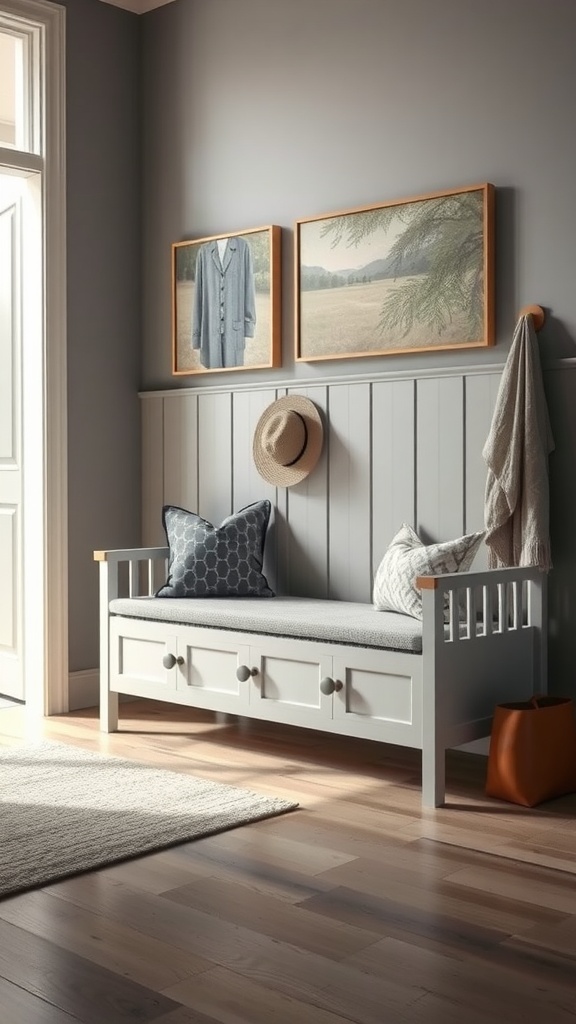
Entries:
{"x":130,"y":554}
{"x":130,"y":572}
{"x":457,"y":580}
{"x":478,"y":603}
{"x":467,"y":606}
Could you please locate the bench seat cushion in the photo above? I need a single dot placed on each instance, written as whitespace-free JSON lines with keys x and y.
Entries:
{"x":340,"y":622}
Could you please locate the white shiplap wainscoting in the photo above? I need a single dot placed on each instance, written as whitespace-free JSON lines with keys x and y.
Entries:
{"x":397,"y":449}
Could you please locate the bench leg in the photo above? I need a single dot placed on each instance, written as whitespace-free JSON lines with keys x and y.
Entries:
{"x":108,"y":711}
{"x":108,"y":699}
{"x":433,"y":775}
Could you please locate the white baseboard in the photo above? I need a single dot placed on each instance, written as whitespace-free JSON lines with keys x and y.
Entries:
{"x":477,"y":746}
{"x":83,"y":690}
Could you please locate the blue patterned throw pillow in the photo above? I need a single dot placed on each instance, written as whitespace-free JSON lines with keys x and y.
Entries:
{"x":210,"y":561}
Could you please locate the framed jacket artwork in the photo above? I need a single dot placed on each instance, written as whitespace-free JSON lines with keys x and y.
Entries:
{"x":226,"y":302}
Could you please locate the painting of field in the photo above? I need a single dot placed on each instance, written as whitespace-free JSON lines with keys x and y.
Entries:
{"x":345,"y":321}
{"x":405,"y":276}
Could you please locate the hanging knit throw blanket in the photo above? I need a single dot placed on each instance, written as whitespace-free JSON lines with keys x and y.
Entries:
{"x":517,"y":499}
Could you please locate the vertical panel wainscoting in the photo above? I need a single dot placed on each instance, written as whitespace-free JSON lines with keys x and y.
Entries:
{"x":181,"y":452}
{"x":153,"y":490}
{"x":214,"y":457}
{"x":440,"y":458}
{"x":397,"y":449}
{"x":349,"y":529}
{"x":247,"y":407}
{"x":393,"y":461}
{"x":303,"y":540}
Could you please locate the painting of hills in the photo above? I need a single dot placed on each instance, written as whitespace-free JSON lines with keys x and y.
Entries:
{"x":403,"y":277}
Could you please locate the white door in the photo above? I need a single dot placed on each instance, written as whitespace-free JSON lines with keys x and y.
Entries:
{"x":33,"y":429}
{"x":11,"y":511}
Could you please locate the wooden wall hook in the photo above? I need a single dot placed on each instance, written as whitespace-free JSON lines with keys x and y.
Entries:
{"x":537,"y":314}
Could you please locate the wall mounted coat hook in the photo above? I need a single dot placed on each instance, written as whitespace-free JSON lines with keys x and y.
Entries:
{"x":537,"y":314}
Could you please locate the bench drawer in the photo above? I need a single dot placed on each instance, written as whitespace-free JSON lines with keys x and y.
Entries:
{"x":137,"y":653}
{"x":185,"y":666}
{"x":298,"y":682}
{"x":212,"y":672}
{"x":371,"y":696}
{"x":286,"y":682}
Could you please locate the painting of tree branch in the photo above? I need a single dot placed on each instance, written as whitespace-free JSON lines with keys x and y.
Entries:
{"x":408,"y":276}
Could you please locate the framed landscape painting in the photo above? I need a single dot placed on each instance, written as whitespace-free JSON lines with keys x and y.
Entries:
{"x":412,"y":275}
{"x":226,"y":302}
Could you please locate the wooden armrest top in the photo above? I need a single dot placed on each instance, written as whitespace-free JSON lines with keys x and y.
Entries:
{"x":129,"y":554}
{"x":480,"y":577}
{"x":426,"y":582}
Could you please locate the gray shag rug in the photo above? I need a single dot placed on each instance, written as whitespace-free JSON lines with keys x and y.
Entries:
{"x":65,"y":810}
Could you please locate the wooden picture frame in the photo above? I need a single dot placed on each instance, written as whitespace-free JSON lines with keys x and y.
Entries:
{"x":411,"y":275}
{"x":226,"y":302}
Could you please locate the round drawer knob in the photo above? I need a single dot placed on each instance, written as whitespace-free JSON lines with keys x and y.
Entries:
{"x":329,"y":685}
{"x":169,"y":660}
{"x":243,"y":672}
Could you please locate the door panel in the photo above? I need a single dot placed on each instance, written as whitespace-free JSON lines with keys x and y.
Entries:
{"x":11,"y":598}
{"x":286,"y":685}
{"x":8,"y":549}
{"x":214,"y":672}
{"x":370,"y":696}
{"x":137,"y":652}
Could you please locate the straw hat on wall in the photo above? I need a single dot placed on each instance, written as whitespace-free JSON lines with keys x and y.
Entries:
{"x":288,"y":440}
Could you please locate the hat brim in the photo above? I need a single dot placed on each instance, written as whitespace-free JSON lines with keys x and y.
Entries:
{"x":268,"y":468}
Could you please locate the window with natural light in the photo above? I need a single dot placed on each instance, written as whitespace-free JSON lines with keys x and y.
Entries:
{"x":12,"y":126}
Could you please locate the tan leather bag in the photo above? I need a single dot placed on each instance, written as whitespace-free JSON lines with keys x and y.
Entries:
{"x":532,"y":751}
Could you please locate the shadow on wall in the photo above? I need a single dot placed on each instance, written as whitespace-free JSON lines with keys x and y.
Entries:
{"x":560,"y":387}
{"x":554,"y":340}
{"x":297,"y":573}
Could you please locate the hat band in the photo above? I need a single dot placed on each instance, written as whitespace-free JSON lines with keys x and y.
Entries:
{"x":303,"y":448}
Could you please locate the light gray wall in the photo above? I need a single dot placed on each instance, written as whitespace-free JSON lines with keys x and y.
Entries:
{"x":103,"y":237}
{"x":264,"y":111}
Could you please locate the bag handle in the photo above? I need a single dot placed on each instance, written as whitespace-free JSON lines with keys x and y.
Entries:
{"x":535,"y":698}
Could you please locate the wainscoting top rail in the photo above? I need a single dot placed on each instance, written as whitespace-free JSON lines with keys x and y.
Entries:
{"x":300,"y":383}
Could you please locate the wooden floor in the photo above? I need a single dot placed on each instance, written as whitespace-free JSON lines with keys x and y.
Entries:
{"x":356,"y":907}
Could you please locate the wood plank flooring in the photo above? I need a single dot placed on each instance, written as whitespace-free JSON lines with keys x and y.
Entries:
{"x":358,"y":907}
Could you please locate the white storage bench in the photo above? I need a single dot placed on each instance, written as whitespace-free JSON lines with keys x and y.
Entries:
{"x":336,"y":666}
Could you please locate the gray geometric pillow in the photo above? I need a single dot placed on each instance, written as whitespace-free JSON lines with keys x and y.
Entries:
{"x":210,"y":561}
{"x":407,"y":557}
